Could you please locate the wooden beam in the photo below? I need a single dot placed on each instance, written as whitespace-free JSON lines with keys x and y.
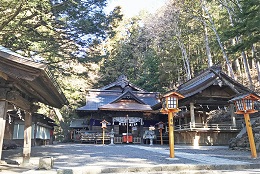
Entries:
{"x":15,"y":98}
{"x":3,"y":75}
{"x":18,"y":73}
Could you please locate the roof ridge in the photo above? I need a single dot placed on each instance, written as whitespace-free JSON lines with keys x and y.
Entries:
{"x":124,"y":94}
{"x":122,"y":81}
{"x":200,"y":75}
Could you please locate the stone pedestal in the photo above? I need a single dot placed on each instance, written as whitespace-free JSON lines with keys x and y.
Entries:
{"x":46,"y":163}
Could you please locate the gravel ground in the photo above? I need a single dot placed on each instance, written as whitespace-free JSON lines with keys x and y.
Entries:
{"x":70,"y":155}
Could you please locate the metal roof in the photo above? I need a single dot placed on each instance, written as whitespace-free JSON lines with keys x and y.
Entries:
{"x":126,"y":106}
{"x":107,"y":98}
{"x":245,"y":96}
{"x":95,"y":100}
{"x":210,"y":76}
{"x":122,"y":82}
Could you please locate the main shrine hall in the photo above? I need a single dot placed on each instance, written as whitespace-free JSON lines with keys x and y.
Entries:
{"x":126,"y":107}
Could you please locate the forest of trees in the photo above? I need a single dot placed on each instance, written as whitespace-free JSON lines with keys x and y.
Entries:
{"x":161,"y":51}
{"x":87,"y":48}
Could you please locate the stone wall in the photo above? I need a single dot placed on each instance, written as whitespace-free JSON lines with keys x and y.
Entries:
{"x":241,"y":140}
{"x":204,"y":138}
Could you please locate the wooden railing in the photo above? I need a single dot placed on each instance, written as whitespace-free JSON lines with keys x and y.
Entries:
{"x":202,"y":126}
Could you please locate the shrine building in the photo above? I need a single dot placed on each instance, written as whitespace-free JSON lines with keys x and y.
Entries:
{"x":130,"y":110}
{"x":126,"y":107}
{"x":23,"y":84}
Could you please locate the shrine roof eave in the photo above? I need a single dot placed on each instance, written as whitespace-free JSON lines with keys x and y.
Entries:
{"x":207,"y":78}
{"x":82,"y":110}
{"x":50,"y":121}
{"x":32,"y":78}
{"x":126,"y":110}
{"x":126,"y":107}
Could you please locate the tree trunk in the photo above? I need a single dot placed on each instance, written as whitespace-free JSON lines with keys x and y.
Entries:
{"x":63,"y":125}
{"x":185,"y":57}
{"x":247,"y":71}
{"x":207,"y":46}
{"x":243,"y":53}
{"x":230,"y":70}
{"x":256,"y":64}
{"x":207,"y":42}
{"x":238,"y":67}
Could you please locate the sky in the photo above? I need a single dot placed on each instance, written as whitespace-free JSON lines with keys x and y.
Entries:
{"x":131,"y":8}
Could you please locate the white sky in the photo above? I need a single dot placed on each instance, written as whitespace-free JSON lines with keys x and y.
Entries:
{"x":133,"y":7}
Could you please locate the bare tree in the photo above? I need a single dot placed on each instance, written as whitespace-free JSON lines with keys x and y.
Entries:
{"x":243,"y":55}
{"x":212,"y":26}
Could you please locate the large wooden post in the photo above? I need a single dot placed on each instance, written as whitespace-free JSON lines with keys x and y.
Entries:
{"x":232,"y":113}
{"x":192,"y":114}
{"x":161,"y":137}
{"x":171,"y":133}
{"x":34,"y":133}
{"x":250,"y":135}
{"x":27,"y":137}
{"x":204,"y":117}
{"x":3,"y":110}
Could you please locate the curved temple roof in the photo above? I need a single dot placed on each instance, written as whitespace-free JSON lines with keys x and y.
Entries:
{"x":31,"y":78}
{"x":120,"y":95}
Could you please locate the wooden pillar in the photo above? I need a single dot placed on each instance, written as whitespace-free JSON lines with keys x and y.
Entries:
{"x":192,"y":114}
{"x":250,"y":135}
{"x":171,"y":133}
{"x":232,"y":113}
{"x":3,"y":110}
{"x":34,"y":133}
{"x":27,"y":137}
{"x":204,"y":117}
{"x":141,"y":131}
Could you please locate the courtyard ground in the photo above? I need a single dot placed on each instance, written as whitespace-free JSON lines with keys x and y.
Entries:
{"x":121,"y":158}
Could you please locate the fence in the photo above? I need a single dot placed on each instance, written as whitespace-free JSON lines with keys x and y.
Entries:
{"x":202,"y":126}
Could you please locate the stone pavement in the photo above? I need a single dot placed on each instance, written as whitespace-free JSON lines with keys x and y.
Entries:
{"x":121,"y":158}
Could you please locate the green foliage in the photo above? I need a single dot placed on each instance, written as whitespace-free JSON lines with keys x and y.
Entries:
{"x":65,"y":34}
{"x":152,"y":54}
{"x":246,"y":25}
{"x":86,"y":48}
